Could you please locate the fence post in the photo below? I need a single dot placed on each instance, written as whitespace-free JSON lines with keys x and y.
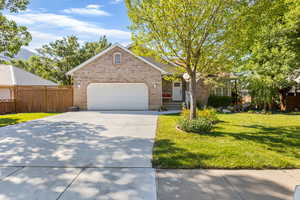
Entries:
{"x":15,"y":91}
{"x":46,"y":98}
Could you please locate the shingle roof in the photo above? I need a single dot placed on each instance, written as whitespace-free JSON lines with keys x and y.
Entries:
{"x":166,"y":67}
{"x":10,"y":76}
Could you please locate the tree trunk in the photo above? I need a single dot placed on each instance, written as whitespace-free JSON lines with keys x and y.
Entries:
{"x":193,"y":99}
{"x":265,"y":107}
{"x":282,"y":101}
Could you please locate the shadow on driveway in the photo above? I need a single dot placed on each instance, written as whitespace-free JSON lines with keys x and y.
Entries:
{"x":72,"y":143}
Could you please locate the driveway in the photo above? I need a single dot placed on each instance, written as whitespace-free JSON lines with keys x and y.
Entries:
{"x":80,"y":155}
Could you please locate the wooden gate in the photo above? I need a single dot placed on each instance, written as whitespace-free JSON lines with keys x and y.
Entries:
{"x":39,"y":99}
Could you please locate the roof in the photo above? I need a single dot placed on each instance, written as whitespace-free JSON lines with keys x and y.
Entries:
{"x":170,"y":69}
{"x":155,"y":65}
{"x":11,"y":76}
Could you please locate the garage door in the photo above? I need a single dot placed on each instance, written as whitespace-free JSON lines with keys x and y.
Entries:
{"x":117,"y":96}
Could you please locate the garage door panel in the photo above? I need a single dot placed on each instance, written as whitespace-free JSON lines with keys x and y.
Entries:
{"x":117,"y":96}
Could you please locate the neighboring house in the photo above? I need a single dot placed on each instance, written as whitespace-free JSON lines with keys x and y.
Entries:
{"x":293,"y":99}
{"x":117,"y":79}
{"x":295,"y":91}
{"x":11,"y":76}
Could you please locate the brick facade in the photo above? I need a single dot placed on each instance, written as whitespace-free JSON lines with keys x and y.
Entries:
{"x":131,"y":70}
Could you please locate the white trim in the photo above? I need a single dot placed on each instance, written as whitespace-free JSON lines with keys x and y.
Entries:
{"x":107,"y":50}
{"x":14,"y":82}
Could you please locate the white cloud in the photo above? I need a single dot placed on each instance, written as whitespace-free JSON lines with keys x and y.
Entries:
{"x":88,"y":10}
{"x":116,"y":1}
{"x":40,"y":38}
{"x":93,"y":6}
{"x":50,"y":20}
{"x":48,"y":27}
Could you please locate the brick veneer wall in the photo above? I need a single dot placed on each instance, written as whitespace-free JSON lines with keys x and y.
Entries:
{"x":131,"y":70}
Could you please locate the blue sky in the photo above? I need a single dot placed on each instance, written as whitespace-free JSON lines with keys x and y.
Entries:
{"x":48,"y":20}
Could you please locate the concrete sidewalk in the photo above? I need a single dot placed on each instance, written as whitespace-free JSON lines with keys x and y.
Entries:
{"x":227,"y":184}
{"x":50,"y":183}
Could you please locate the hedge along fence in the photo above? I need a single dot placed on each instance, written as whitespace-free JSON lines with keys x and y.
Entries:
{"x":39,"y":99}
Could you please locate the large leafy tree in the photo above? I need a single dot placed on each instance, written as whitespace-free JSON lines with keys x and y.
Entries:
{"x":54,"y":60}
{"x":191,"y":32}
{"x":12,"y":36}
{"x":272,"y":53}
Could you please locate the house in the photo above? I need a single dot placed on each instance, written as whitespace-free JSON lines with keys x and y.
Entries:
{"x":11,"y":77}
{"x":118,"y":79}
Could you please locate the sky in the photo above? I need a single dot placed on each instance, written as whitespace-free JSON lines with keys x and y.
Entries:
{"x":49,"y":20}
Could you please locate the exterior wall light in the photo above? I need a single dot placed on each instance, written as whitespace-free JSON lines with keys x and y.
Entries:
{"x":78,"y":84}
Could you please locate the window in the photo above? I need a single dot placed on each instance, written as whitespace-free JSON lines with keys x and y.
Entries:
{"x":117,"y":58}
{"x":224,"y":90}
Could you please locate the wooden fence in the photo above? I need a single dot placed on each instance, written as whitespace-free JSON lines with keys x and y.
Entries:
{"x":293,"y":102}
{"x":39,"y":99}
{"x":7,"y":106}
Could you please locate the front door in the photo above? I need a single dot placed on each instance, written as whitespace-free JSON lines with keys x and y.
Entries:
{"x":177,"y":91}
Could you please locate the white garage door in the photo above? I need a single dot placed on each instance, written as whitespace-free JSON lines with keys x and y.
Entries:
{"x":117,"y":96}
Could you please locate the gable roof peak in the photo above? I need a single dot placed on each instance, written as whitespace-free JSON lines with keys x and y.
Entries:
{"x":107,"y":50}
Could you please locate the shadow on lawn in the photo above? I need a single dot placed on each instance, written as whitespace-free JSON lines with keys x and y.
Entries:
{"x":279,"y":139}
{"x":171,"y":155}
{"x":8,"y":121}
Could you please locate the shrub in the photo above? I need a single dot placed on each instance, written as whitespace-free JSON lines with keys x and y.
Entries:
{"x":209,"y":114}
{"x":185,"y":113}
{"x":219,"y":101}
{"x":199,"y":125}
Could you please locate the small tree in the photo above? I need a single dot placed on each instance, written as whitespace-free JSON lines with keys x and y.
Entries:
{"x":190,"y":32}
{"x":12,"y":36}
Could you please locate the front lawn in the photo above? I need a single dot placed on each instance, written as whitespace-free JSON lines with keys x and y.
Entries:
{"x":240,"y":141}
{"x":11,"y":119}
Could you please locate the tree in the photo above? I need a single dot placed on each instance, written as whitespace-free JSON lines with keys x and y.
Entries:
{"x":54,"y":60}
{"x":273,"y":56}
{"x":190,"y":32}
{"x":12,"y":36}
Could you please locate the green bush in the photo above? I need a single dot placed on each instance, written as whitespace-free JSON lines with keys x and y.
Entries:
{"x":199,"y":125}
{"x":219,"y":101}
{"x":209,"y":114}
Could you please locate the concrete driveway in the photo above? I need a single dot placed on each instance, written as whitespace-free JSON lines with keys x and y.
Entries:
{"x":81,"y":155}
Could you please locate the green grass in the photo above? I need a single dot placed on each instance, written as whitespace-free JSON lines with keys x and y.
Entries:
{"x":11,"y":119}
{"x":239,"y":141}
